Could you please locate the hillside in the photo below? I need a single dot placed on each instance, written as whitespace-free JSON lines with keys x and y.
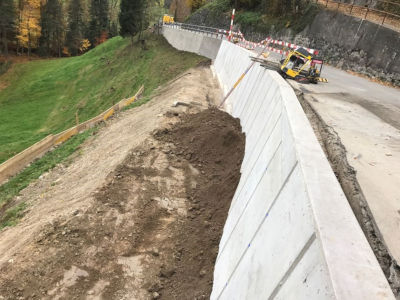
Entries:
{"x":255,"y":20}
{"x":42,"y":97}
{"x":134,"y":213}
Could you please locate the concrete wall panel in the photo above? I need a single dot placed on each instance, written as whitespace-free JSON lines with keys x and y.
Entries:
{"x":309,"y":280}
{"x":192,"y":42}
{"x":302,"y":270}
{"x":209,"y":47}
{"x":252,"y":180}
{"x":269,"y":136}
{"x":259,"y":256}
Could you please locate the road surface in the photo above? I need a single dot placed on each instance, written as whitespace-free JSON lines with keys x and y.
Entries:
{"x":366,"y":116}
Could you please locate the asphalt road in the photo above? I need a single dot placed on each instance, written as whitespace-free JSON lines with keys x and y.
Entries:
{"x":366,"y":115}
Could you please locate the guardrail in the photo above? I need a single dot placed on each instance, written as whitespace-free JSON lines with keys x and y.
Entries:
{"x":240,"y":41}
{"x":377,"y":16}
{"x":209,"y":31}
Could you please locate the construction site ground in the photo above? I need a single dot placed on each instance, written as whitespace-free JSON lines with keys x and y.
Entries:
{"x":138,"y":211}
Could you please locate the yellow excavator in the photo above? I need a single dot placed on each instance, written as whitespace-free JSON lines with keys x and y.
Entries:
{"x":299,"y":65}
{"x":167,"y":19}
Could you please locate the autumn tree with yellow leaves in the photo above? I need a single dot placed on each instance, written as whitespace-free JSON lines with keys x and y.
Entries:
{"x":29,"y":24}
{"x":66,"y":27}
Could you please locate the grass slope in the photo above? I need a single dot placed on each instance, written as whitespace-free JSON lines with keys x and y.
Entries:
{"x":42,"y":96}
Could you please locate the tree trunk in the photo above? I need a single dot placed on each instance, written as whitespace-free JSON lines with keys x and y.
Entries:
{"x":29,"y":43}
{"x":59,"y":47}
{"x":5,"y":43}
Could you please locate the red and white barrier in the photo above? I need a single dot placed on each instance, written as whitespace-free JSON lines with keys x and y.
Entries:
{"x":242,"y":42}
{"x":251,"y":45}
{"x":230,"y":29}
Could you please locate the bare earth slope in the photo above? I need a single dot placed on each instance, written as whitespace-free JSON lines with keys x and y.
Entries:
{"x":128,"y":216}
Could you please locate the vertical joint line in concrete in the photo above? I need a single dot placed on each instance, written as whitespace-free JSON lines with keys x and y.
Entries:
{"x":250,"y":198}
{"x":260,"y":110}
{"x":255,"y":162}
{"x":293,"y":266}
{"x":266,"y":124}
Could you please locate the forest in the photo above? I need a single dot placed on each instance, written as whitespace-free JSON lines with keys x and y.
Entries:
{"x":56,"y":28}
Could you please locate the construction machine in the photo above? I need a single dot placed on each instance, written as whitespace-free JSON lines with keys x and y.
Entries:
{"x":299,"y":65}
{"x":167,"y":19}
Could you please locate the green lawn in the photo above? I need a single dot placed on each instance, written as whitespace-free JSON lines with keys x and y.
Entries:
{"x":42,"y":96}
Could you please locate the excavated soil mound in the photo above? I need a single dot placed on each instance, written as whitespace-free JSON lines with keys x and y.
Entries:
{"x":153,"y":229}
{"x":212,"y":142}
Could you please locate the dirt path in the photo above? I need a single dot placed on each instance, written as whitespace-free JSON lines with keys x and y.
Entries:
{"x":67,"y":245}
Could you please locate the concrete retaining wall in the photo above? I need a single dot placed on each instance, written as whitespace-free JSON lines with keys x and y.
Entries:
{"x":198,"y":43}
{"x":290,"y":232}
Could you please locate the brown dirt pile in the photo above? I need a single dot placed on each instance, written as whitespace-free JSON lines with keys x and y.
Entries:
{"x":211,"y":142}
{"x":153,"y":229}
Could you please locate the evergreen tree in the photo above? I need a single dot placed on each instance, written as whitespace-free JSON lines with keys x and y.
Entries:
{"x":7,"y":22}
{"x":132,"y":17}
{"x":113,"y":29}
{"x":76,"y":27}
{"x":52,"y":28}
{"x":99,"y":21}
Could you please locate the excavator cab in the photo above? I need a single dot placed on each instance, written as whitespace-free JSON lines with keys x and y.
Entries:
{"x":315,"y":69}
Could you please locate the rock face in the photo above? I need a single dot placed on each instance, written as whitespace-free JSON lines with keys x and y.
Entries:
{"x":206,"y":17}
{"x":370,"y":3}
{"x":344,"y":41}
{"x":350,"y":43}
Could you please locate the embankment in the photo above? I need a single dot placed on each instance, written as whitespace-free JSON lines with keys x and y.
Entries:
{"x":290,"y":232}
{"x":44,"y":97}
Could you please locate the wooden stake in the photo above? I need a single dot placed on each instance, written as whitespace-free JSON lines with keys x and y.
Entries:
{"x":76,"y":118}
